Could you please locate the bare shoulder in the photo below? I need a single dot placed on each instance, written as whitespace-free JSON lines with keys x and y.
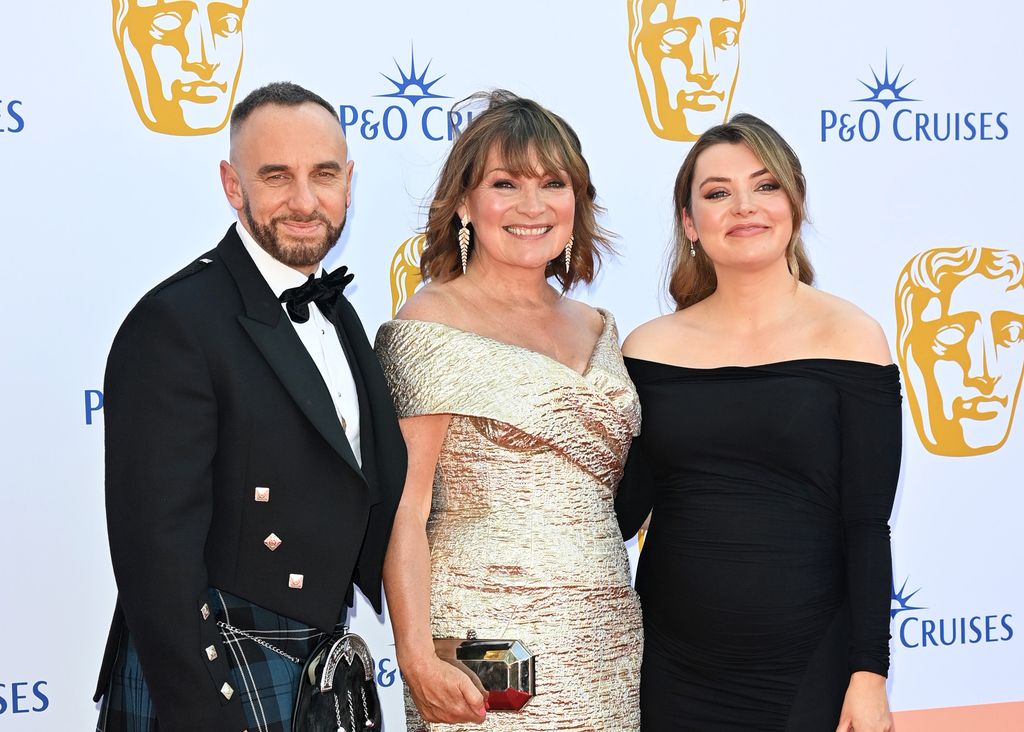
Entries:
{"x":656,"y":340}
{"x":432,"y":302}
{"x":583,"y":316}
{"x":848,"y":332}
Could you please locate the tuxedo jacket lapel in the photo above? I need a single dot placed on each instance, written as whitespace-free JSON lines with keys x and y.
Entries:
{"x":277,"y":340}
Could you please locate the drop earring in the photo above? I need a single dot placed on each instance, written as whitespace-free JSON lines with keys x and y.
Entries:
{"x":464,"y":242}
{"x":693,"y":251}
{"x":568,"y":253}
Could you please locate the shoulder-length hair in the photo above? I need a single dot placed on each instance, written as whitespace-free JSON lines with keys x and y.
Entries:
{"x":525,"y":134}
{"x":692,"y":278}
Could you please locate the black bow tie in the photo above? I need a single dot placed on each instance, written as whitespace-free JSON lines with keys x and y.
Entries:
{"x":324,"y":292}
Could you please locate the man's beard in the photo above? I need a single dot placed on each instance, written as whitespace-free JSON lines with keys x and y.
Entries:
{"x":293,"y":253}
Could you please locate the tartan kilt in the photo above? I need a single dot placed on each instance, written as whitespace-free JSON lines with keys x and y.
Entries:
{"x":265,"y":680}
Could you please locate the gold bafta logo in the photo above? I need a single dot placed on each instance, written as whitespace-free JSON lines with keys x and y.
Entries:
{"x":960,"y":344}
{"x":686,"y":55}
{"x":405,"y":271}
{"x":182,"y":59}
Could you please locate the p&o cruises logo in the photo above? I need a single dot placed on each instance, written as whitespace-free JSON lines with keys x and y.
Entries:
{"x":916,"y":626}
{"x":23,"y":697}
{"x":395,"y":120}
{"x":898,"y":116}
{"x":11,"y":115}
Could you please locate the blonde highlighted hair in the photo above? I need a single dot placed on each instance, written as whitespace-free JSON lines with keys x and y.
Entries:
{"x":691,"y":279}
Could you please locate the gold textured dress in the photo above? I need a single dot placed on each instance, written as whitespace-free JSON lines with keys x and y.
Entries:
{"x":523,"y":538}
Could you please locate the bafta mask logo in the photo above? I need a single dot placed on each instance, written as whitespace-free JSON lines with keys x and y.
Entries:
{"x":960,"y":343}
{"x":686,"y":54}
{"x":405,"y":271}
{"x":182,"y":59}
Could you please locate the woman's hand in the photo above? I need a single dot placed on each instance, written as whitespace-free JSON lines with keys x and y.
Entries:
{"x":443,"y":693}
{"x":866,"y":707}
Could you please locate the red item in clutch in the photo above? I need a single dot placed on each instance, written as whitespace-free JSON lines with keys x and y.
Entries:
{"x":507,"y":700}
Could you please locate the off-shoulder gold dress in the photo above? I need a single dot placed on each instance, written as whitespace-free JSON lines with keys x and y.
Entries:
{"x":523,"y":538}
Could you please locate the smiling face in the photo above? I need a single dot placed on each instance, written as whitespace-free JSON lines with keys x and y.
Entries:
{"x":182,"y":59}
{"x":290,"y":180}
{"x":739,"y":213}
{"x":963,"y":352}
{"x":686,"y":57}
{"x":518,"y":221}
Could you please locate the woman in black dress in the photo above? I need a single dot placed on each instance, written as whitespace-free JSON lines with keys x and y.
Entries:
{"x":769,"y":454}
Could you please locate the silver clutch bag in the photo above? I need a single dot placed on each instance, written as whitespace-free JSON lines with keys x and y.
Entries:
{"x":502,"y":669}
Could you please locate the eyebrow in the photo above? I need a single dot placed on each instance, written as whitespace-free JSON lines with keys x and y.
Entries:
{"x":718,"y":179}
{"x":506,"y":171}
{"x":279,"y":168}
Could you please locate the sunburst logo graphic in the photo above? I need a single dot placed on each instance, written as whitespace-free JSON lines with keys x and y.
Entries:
{"x":412,"y":86}
{"x":886,"y":91}
{"x":901,"y":600}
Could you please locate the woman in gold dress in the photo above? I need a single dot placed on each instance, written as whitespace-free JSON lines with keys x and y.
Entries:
{"x":518,"y":414}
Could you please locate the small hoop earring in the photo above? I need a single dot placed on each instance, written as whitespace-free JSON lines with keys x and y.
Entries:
{"x":464,"y":242}
{"x":568,"y":253}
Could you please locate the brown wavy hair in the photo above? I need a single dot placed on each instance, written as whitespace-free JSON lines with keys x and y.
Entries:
{"x":523,"y":132}
{"x":691,"y":279}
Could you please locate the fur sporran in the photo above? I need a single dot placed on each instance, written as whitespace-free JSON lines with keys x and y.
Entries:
{"x":336,"y":691}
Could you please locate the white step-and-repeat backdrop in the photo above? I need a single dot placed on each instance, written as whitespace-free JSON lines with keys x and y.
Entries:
{"x":908,"y":117}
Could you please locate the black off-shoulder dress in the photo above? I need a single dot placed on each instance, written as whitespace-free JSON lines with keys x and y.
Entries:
{"x":766,"y":576}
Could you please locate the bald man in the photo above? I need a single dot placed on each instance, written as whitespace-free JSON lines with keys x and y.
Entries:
{"x":253,"y":457}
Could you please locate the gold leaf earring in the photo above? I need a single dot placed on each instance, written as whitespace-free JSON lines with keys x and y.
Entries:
{"x":568,"y":253}
{"x":464,"y":242}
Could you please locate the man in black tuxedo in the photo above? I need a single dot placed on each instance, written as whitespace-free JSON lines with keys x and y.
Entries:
{"x":253,"y":457}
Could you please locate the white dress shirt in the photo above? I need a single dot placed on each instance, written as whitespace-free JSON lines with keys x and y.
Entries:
{"x":317,"y":335}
